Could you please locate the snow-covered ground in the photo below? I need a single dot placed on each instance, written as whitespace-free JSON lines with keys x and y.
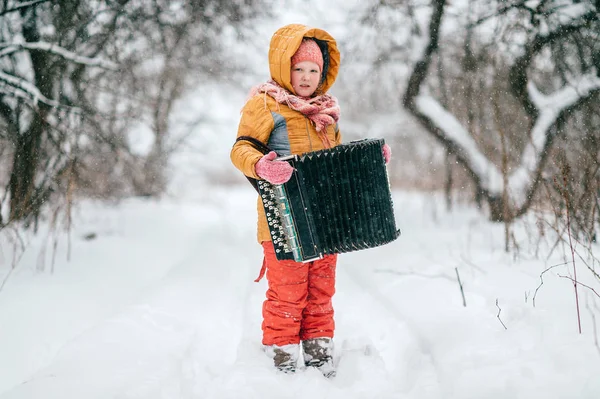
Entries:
{"x":162,"y":304}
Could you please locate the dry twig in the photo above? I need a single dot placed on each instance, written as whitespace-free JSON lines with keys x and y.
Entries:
{"x":498,"y":315}
{"x":542,"y":279}
{"x":462,"y":292}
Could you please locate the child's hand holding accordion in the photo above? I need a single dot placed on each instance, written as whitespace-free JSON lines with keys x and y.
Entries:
{"x":387,"y":153}
{"x":275,"y":172}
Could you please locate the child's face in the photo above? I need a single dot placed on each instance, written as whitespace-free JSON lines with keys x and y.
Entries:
{"x":305,"y":78}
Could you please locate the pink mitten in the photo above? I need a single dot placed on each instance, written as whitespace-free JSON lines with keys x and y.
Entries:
{"x":387,"y":153}
{"x":275,"y":172}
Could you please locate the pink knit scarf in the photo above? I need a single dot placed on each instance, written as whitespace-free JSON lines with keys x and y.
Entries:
{"x":322,"y":110}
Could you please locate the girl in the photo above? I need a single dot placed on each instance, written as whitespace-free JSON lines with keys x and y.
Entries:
{"x":293,"y":114}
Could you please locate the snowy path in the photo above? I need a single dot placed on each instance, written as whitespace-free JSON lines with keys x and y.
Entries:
{"x":406,"y":355}
{"x":153,"y":347}
{"x":183,"y":320}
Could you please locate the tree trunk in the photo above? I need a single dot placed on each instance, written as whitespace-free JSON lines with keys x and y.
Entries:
{"x":24,"y":201}
{"x":22,"y":177}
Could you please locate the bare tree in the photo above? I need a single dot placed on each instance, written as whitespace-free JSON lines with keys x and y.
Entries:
{"x":77,"y":76}
{"x":549,"y":26}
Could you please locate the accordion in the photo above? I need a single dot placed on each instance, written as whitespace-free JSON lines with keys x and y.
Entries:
{"x":337,"y":200}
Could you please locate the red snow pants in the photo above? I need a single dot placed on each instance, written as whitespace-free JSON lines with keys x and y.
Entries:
{"x":298,"y":305}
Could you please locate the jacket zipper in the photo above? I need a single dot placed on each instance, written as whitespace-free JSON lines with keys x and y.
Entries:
{"x":308,"y":133}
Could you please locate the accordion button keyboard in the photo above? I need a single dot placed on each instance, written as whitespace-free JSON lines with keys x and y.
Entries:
{"x":274,"y":211}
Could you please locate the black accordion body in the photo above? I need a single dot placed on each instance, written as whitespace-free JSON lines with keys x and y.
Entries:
{"x":337,"y":200}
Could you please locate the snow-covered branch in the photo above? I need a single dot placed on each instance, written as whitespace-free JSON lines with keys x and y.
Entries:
{"x":509,"y":192}
{"x":10,"y":48}
{"x":550,"y":108}
{"x":454,"y":132}
{"x":26,"y":90}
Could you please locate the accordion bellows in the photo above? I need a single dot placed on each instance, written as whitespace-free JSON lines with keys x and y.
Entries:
{"x":338,"y":200}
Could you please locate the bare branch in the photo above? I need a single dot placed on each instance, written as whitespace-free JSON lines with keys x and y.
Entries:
{"x":505,"y":9}
{"x":542,"y":279}
{"x":419,"y":73}
{"x":576,"y":283}
{"x":518,"y":74}
{"x":498,"y":315}
{"x":462,"y":292}
{"x":22,"y":6}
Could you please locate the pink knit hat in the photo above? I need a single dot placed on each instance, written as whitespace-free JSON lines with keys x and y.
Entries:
{"x":308,"y":51}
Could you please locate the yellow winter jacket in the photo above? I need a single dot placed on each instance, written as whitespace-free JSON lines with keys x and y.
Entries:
{"x":262,"y":115}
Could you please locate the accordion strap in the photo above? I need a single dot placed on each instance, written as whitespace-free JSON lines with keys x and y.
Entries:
{"x":260,"y":146}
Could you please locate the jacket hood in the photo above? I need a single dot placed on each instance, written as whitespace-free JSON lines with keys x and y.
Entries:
{"x":284,"y":44}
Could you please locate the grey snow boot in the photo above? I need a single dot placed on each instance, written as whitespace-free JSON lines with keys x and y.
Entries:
{"x":285,"y":357}
{"x":318,"y":352}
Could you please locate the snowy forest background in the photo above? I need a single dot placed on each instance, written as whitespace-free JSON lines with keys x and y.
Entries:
{"x":495,"y":103}
{"x":491,"y":106}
